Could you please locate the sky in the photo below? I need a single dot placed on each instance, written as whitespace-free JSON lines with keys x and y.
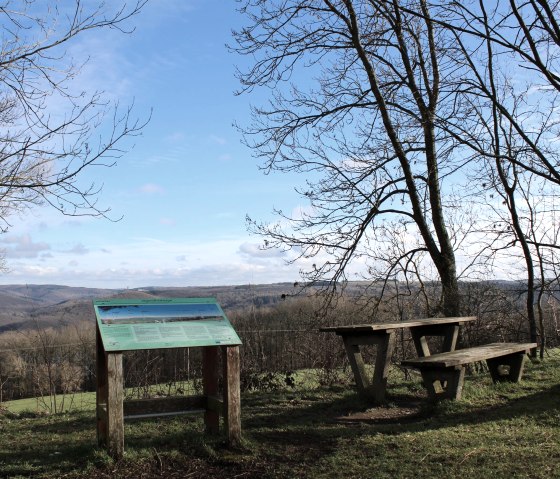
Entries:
{"x":184,"y":187}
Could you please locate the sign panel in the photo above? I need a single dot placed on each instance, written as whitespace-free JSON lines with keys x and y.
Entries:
{"x":130,"y":324}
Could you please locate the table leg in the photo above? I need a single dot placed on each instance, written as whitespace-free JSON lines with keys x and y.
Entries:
{"x":376,"y":388}
{"x":450,"y":333}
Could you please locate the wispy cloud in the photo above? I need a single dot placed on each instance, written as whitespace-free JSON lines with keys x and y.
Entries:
{"x":23,"y":247}
{"x":167,"y":221}
{"x":218,"y":140}
{"x":255,"y":250}
{"x":151,"y":189}
{"x":78,"y":249}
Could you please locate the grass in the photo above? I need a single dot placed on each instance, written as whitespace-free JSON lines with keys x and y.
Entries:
{"x":497,"y":431}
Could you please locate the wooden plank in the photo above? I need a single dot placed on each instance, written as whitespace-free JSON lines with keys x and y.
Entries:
{"x":382,"y":363}
{"x":368,"y":328}
{"x":163,"y":414}
{"x":232,"y":394}
{"x":165,"y":405}
{"x":468,"y":355}
{"x":444,"y":383}
{"x":358,"y":367}
{"x":115,"y":417}
{"x":507,"y":368}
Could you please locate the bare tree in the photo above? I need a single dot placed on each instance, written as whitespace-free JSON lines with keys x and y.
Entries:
{"x":510,"y":54}
{"x":49,"y":133}
{"x":367,"y":83}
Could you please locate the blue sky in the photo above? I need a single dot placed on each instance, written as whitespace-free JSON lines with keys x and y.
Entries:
{"x":184,"y":187}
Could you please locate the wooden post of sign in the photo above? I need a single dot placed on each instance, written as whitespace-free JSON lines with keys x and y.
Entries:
{"x":232,"y":394}
{"x":115,"y":416}
{"x":109,"y":400}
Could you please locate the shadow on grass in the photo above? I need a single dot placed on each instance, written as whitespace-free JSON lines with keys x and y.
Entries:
{"x":38,"y":446}
{"x":290,"y":431}
{"x":314,"y":429}
{"x":66,"y":445}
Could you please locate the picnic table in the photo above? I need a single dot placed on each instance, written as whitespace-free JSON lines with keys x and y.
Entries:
{"x":382,"y":336}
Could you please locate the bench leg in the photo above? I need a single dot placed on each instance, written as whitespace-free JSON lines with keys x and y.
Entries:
{"x":444,"y":383}
{"x":514,"y":364}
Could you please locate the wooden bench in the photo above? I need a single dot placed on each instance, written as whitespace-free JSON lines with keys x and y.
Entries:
{"x":443,"y":374}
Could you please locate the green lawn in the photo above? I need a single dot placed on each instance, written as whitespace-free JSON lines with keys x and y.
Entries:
{"x":496,"y":431}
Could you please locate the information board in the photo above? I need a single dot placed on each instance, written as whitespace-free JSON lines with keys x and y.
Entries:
{"x":131,"y":324}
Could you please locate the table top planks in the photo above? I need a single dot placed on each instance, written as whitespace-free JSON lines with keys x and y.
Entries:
{"x":382,"y":327}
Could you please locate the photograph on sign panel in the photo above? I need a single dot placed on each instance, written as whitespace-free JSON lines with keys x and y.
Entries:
{"x":158,"y":313}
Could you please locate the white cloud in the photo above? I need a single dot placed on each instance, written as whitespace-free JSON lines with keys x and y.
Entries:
{"x":258,"y":251}
{"x":167,"y":221}
{"x":77,"y":249}
{"x":145,"y":261}
{"x":175,"y":137}
{"x":151,"y":189}
{"x":218,"y":140}
{"x":23,"y":247}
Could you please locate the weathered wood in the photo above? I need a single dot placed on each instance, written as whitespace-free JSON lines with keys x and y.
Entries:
{"x":134,"y":408}
{"x":448,"y":369}
{"x":366,"y":328}
{"x":210,"y":376}
{"x":382,"y":363}
{"x":445,"y":383}
{"x":358,"y":367}
{"x":115,"y":417}
{"x":468,"y":355}
{"x":232,"y":394}
{"x":507,"y":368}
{"x":374,"y":389}
{"x":381,"y":335}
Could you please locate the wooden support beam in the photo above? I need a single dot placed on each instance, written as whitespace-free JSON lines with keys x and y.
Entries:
{"x":507,"y":368}
{"x":232,"y":394}
{"x":384,"y":343}
{"x":115,"y":416}
{"x":449,"y":332}
{"x":164,"y":406}
{"x":444,"y":383}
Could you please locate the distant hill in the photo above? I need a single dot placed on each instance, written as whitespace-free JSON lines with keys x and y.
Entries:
{"x":29,"y":306}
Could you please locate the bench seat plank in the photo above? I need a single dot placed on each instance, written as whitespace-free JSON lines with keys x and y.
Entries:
{"x":443,"y":374}
{"x":461,"y":357}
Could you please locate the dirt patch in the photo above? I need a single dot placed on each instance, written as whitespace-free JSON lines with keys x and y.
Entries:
{"x":394,"y":413}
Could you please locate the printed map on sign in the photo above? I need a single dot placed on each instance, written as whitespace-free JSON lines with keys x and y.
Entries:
{"x":127,"y":325}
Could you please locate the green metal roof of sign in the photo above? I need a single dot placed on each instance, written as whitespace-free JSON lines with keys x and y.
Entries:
{"x":131,"y":324}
